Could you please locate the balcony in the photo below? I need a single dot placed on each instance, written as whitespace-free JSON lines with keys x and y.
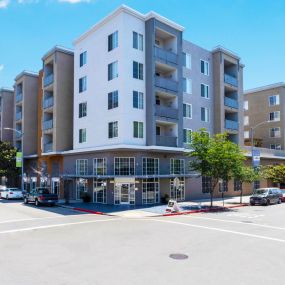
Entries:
{"x":165,"y":55}
{"x":232,"y":103}
{"x":19,"y":97}
{"x":231,"y":125}
{"x":167,"y":112}
{"x":18,"y":135}
{"x":48,"y":147}
{"x":48,"y":80}
{"x":18,"y":116}
{"x":47,"y":103}
{"x":166,"y":141}
{"x":231,"y":80}
{"x":47,"y":125}
{"x":166,"y":84}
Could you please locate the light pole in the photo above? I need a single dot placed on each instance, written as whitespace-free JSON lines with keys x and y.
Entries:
{"x":22,"y":170}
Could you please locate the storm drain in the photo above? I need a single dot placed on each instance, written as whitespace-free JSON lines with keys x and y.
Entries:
{"x":178,"y":256}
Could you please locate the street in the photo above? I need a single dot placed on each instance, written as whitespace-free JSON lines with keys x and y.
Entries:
{"x":59,"y":246}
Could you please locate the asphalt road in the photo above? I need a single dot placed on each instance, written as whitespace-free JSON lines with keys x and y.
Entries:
{"x":59,"y":246}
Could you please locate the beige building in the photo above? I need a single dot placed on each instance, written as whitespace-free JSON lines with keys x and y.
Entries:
{"x":264,"y":111}
{"x":25,"y":112}
{"x":6,"y":114}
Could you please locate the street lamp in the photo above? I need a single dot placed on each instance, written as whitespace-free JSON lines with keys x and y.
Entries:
{"x":21,"y":135}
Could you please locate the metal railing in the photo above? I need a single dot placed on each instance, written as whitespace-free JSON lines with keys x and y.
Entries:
{"x":18,"y":135}
{"x":19,"y":97}
{"x":48,"y":147}
{"x":48,"y":79}
{"x":165,"y":83}
{"x":167,"y":112}
{"x":47,"y":125}
{"x":232,"y":125}
{"x":18,"y":116}
{"x":165,"y":55}
{"x":166,"y":141}
{"x":229,"y":79}
{"x":48,"y":102}
{"x":233,"y":103}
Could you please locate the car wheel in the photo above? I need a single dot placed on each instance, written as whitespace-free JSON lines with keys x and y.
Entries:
{"x":279,"y":201}
{"x":37,"y":203}
{"x":267,"y":203}
{"x":7,"y":197}
{"x":26,"y":201}
{"x":252,"y":204}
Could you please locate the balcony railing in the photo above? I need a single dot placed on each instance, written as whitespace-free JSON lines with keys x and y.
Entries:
{"x":167,"y":112}
{"x":48,"y":125}
{"x":166,"y":141}
{"x":48,"y":79}
{"x":165,"y":55}
{"x":18,"y":116}
{"x":229,"y":79}
{"x":232,"y":125}
{"x":167,"y":84}
{"x":19,"y":97}
{"x":48,"y":147}
{"x":233,"y":103}
{"x":48,"y":102}
{"x":18,"y":135}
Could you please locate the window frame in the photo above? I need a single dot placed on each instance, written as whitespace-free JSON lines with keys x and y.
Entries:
{"x":188,"y":140}
{"x":113,"y":100}
{"x":113,"y":41}
{"x":113,"y":71}
{"x":205,"y":63}
{"x":139,"y":100}
{"x":138,"y":70}
{"x":206,"y":87}
{"x":82,"y":58}
{"x":185,"y":105}
{"x":82,"y":84}
{"x":139,"y":133}
{"x":208,"y":112}
{"x":82,"y":135}
{"x":82,"y":112}
{"x":114,"y":128}
{"x":138,"y":41}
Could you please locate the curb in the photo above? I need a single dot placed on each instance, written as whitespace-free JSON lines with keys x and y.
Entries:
{"x":84,"y":210}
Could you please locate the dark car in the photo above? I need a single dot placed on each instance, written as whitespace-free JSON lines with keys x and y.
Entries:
{"x":266,"y":196}
{"x":41,"y":195}
{"x":283,"y":195}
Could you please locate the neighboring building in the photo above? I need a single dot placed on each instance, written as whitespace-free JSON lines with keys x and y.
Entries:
{"x":6,"y":114}
{"x":264,"y":110}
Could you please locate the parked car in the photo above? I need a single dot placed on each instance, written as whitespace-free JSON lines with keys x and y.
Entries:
{"x":266,"y":196}
{"x":11,"y":193}
{"x":2,"y":188}
{"x":41,"y":195}
{"x":283,"y":195}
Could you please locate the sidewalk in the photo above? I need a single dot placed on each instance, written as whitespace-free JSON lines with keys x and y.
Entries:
{"x":132,"y":211}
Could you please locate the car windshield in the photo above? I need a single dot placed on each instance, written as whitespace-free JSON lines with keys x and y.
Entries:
{"x":43,"y":191}
{"x":260,"y":191}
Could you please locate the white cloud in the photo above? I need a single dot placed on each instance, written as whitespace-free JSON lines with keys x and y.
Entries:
{"x":4,"y":3}
{"x":74,"y":1}
{"x":1,"y":67}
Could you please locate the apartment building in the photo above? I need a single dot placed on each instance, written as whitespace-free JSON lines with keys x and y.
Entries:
{"x":264,"y":111}
{"x":6,"y":114}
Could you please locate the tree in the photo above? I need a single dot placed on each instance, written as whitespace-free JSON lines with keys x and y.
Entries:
{"x":8,"y":161}
{"x":275,"y":173}
{"x":214,"y":157}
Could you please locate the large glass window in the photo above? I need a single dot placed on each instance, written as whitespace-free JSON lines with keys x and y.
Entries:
{"x":275,"y":132}
{"x":150,"y":166}
{"x":81,"y":166}
{"x":187,"y":135}
{"x":177,"y":192}
{"x":113,"y":70}
{"x":137,"y":41}
{"x":83,"y":58}
{"x":138,"y":100}
{"x":206,"y":184}
{"x":205,"y":67}
{"x":187,"y":85}
{"x":274,"y":116}
{"x":276,"y":146}
{"x":274,"y":100}
{"x":237,"y":185}
{"x":82,"y":135}
{"x":124,"y":166}
{"x":113,"y":130}
{"x":137,"y":70}
{"x":187,"y":60}
{"x":100,"y":191}
{"x":150,"y":193}
{"x":99,"y":166}
{"x":187,"y":111}
{"x":205,"y":114}
{"x":82,"y":84}
{"x":82,"y":109}
{"x":177,"y":166}
{"x":205,"y":91}
{"x":138,"y":129}
{"x":113,"y":100}
{"x":113,"y":40}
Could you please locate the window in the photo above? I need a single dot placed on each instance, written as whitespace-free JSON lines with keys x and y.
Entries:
{"x":124,"y":166}
{"x":204,"y":91}
{"x":245,"y":105}
{"x":82,"y":84}
{"x":246,"y":134}
{"x":274,"y":100}
{"x":112,"y":70}
{"x":100,"y":166}
{"x":206,"y":184}
{"x":113,"y":130}
{"x":81,"y":166}
{"x":150,"y":191}
{"x":223,"y":187}
{"x":187,"y":85}
{"x":157,"y":130}
{"x":100,"y":191}
{"x":237,"y":185}
{"x":177,"y":166}
{"x":246,"y":120}
{"x":275,"y":146}
{"x":187,"y":111}
{"x":113,"y":100}
{"x":274,"y":116}
{"x":177,"y":193}
{"x":204,"y":114}
{"x":83,"y":58}
{"x":138,"y":129}
{"x":82,"y":135}
{"x":138,"y":100}
{"x":256,"y":184}
{"x":113,"y":41}
{"x":187,"y":135}
{"x":137,"y":70}
{"x":150,"y":166}
{"x":187,"y":60}
{"x":137,"y":41}
{"x":82,"y":109}
{"x":275,"y":133}
{"x":205,"y":67}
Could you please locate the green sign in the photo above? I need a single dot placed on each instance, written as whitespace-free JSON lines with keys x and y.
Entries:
{"x":19,"y":157}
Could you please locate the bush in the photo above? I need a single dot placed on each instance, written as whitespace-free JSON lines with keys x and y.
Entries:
{"x":86,"y":197}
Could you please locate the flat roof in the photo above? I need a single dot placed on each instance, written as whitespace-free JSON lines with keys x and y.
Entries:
{"x":27,"y":73}
{"x":6,"y":89}
{"x":266,"y":87}
{"x":57,"y":48}
{"x":226,"y":51}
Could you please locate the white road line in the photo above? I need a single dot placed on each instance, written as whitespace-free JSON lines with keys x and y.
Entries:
{"x":237,"y":222}
{"x":54,"y":226}
{"x":218,"y":229}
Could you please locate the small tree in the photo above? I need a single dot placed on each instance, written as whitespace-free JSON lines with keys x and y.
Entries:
{"x":275,"y":173}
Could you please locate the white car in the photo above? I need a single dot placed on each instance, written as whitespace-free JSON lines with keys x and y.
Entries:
{"x":12,"y":193}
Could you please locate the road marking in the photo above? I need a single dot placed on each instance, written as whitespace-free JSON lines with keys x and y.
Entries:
{"x":55,"y":226}
{"x":218,"y":230}
{"x":251,"y":216}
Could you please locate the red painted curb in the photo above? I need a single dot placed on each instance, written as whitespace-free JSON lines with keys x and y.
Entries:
{"x":90,"y":211}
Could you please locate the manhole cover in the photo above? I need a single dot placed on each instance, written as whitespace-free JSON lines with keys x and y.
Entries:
{"x":178,"y":256}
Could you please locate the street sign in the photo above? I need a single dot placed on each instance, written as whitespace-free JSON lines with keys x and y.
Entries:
{"x":19,"y":156}
{"x":172,"y":206}
{"x":255,"y":157}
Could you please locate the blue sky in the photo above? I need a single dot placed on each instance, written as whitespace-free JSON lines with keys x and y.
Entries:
{"x":254,"y":29}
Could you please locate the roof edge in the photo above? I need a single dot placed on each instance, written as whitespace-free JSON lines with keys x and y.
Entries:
{"x":265,"y":87}
{"x":57,"y":48}
{"x":27,"y":73}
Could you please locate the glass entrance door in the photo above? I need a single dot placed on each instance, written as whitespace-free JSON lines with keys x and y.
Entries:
{"x":125,"y":193}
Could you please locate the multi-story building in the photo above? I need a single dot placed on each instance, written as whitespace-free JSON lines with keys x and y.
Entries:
{"x":6,"y":114}
{"x":264,"y":111}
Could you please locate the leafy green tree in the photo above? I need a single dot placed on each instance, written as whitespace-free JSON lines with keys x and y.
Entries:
{"x":214,"y":157}
{"x":275,"y":173}
{"x":8,"y":161}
